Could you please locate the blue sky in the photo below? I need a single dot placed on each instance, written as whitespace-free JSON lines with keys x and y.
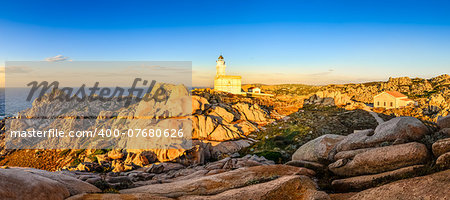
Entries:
{"x":311,"y":42}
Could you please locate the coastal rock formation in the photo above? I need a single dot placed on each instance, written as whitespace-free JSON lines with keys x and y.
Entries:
{"x":443,"y":161}
{"x":441,"y":146}
{"x":339,"y":150}
{"x":251,"y":112}
{"x":137,"y":196}
{"x":199,"y":104}
{"x":214,"y":184}
{"x":24,"y":183}
{"x":339,"y":98}
{"x":115,"y":154}
{"x":369,"y":157}
{"x":318,"y":150}
{"x":381,"y":159}
{"x":434,"y":186}
{"x":213,"y":123}
{"x":306,"y":164}
{"x":444,"y":122}
{"x":441,"y":149}
{"x":317,"y":100}
{"x":286,"y":187}
{"x":367,"y":181}
{"x":398,"y":130}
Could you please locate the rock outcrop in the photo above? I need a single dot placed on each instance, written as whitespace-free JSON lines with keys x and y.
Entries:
{"x":381,"y":159}
{"x":318,"y":150}
{"x":215,"y":184}
{"x":444,"y":122}
{"x":434,"y":186}
{"x":441,"y":149}
{"x":317,"y":100}
{"x":370,"y":157}
{"x":367,"y":181}
{"x":441,"y":146}
{"x":395,"y":131}
{"x":286,"y":187}
{"x":25,"y":183}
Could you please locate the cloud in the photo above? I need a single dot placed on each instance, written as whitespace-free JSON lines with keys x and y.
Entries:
{"x":57,"y":58}
{"x":320,"y":74}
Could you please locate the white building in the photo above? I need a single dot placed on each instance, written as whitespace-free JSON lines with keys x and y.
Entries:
{"x":226,"y":83}
{"x":391,"y":99}
{"x":255,"y":90}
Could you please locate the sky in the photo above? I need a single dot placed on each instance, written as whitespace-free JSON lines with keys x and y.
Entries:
{"x":271,"y":42}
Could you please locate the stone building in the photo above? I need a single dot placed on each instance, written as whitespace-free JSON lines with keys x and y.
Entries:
{"x":391,"y":99}
{"x":226,"y":83}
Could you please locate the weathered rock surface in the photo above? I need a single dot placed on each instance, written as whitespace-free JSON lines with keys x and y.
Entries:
{"x":251,"y":112}
{"x":434,"y":186}
{"x":223,"y":114}
{"x":400,"y":128}
{"x":444,"y":122}
{"x":171,"y":172}
{"x":158,"y":168}
{"x":213,"y":129}
{"x":74,"y":185}
{"x":214,"y":184}
{"x":339,"y":99}
{"x":136,"y":159}
{"x":441,"y":146}
{"x":397,"y":131}
{"x":443,"y":160}
{"x":367,"y":181}
{"x":136,"y":196}
{"x":24,"y":183}
{"x":199,"y":103}
{"x":356,"y":140}
{"x":287,"y":187}
{"x":115,"y":154}
{"x":306,"y":164}
{"x":318,"y":100}
{"x":381,"y":159}
{"x":14,"y":182}
{"x":318,"y":150}
{"x":119,"y":166}
{"x":350,"y":154}
{"x":445,"y":131}
{"x":87,"y":167}
{"x":216,"y":149}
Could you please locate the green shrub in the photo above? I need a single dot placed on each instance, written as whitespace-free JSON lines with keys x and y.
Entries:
{"x":75,"y":162}
{"x":100,"y":151}
{"x":271,"y":155}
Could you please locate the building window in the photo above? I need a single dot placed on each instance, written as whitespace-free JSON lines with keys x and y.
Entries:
{"x":384,"y":104}
{"x":378,"y":103}
{"x":392,"y":104}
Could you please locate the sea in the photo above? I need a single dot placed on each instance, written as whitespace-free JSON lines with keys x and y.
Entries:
{"x":15,"y":100}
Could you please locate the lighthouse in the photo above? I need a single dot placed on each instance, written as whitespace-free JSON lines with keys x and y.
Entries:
{"x":223,"y":82}
{"x":220,"y":67}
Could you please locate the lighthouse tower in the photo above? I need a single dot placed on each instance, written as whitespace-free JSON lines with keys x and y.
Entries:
{"x":226,"y":83}
{"x":220,"y":67}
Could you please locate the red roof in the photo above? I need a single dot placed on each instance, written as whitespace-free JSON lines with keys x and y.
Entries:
{"x":395,"y":94}
{"x":406,"y":99}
